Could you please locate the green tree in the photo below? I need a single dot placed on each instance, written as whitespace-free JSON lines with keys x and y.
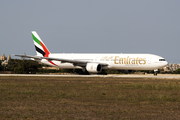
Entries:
{"x":177,"y":71}
{"x":22,"y":66}
{"x":1,"y":67}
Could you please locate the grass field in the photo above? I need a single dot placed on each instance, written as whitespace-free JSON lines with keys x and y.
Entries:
{"x":89,"y":98}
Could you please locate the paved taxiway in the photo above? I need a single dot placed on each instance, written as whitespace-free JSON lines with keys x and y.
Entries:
{"x":164,"y":76}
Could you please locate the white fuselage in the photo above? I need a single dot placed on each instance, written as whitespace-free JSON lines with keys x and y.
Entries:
{"x":113,"y":61}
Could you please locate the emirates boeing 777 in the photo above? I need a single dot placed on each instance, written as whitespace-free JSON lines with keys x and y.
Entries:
{"x":95,"y":62}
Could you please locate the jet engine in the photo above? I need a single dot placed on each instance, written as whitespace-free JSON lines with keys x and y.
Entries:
{"x":93,"y":67}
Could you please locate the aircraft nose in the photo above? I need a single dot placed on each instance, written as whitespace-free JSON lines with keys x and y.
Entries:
{"x":166,"y":62}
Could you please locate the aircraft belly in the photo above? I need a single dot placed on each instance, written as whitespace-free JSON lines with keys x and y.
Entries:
{"x":133,"y":67}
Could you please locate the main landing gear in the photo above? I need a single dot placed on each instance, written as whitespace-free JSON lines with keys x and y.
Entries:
{"x":84,"y":72}
{"x":155,"y":72}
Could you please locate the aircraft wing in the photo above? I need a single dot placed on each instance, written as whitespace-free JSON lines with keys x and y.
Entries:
{"x":75,"y":62}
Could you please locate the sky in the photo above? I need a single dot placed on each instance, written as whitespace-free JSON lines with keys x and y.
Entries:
{"x":92,"y":26}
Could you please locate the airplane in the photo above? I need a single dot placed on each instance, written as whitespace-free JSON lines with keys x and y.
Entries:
{"x":95,"y":62}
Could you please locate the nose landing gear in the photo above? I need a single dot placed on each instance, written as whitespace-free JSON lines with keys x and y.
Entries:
{"x":155,"y":72}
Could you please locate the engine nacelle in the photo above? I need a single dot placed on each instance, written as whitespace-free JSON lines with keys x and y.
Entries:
{"x":93,"y":67}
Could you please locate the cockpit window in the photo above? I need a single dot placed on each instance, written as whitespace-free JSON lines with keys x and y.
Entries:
{"x":161,"y":59}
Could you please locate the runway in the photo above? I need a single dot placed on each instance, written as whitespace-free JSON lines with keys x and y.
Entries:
{"x":164,"y":76}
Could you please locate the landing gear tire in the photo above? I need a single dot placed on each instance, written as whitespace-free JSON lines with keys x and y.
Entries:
{"x":155,"y":74}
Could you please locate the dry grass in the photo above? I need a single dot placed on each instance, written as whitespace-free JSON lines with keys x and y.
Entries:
{"x":89,"y":98}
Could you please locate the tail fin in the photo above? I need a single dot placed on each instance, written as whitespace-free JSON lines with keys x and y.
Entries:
{"x":40,"y":47}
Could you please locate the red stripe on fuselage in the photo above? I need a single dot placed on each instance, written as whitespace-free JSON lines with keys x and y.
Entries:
{"x":52,"y":63}
{"x":46,"y":52}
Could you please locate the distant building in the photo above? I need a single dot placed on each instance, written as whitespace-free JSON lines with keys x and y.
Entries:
{"x":9,"y":57}
{"x":3,"y":57}
{"x":171,"y":67}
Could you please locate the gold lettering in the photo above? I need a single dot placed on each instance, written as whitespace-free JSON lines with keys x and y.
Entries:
{"x":124,"y":61}
{"x":127,"y":61}
{"x":115,"y":60}
{"x":133,"y":61}
{"x":144,"y":60}
{"x":130,"y":60}
{"x":91,"y":67}
{"x":121,"y":61}
{"x":137,"y":60}
{"x":140,"y":61}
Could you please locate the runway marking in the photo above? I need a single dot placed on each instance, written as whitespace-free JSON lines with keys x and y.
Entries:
{"x":164,"y":76}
